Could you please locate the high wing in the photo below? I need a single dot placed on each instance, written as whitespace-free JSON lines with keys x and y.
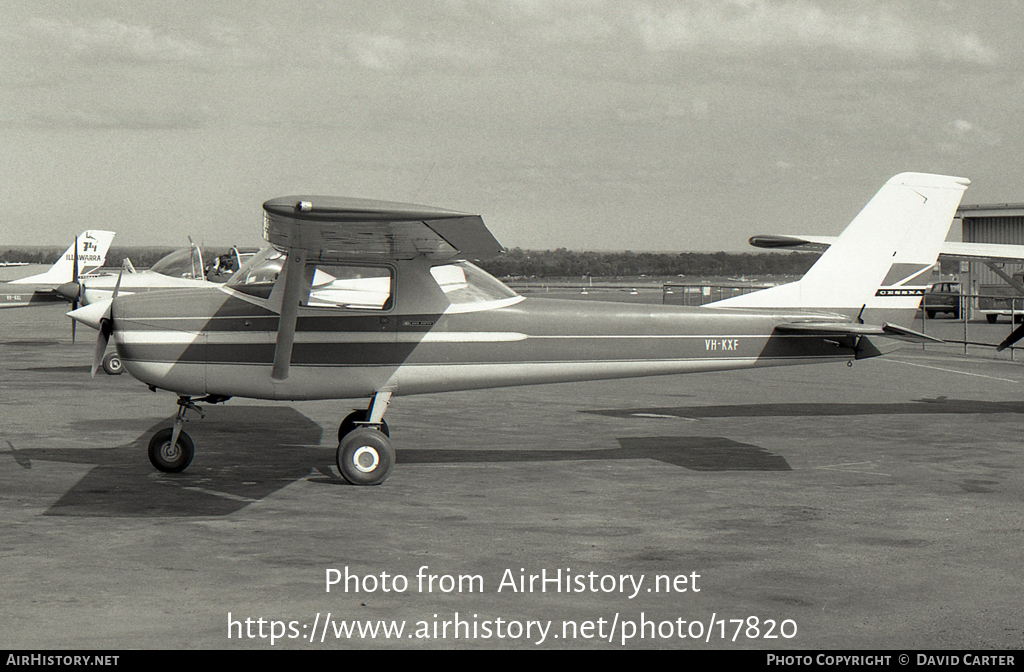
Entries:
{"x":335,"y":227}
{"x":331,"y":227}
{"x":950,"y":251}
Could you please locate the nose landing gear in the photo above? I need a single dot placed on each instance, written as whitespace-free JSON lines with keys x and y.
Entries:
{"x":171,"y":450}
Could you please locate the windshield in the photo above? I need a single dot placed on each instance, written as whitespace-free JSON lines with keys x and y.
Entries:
{"x":184,"y":263}
{"x":465,"y":284}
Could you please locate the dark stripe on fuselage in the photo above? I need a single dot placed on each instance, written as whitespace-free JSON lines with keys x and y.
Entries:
{"x":537,"y":331}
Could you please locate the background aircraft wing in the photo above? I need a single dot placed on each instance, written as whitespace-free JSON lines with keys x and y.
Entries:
{"x":796,"y":242}
{"x":950,"y":251}
{"x":982,"y":252}
{"x":329,"y":227}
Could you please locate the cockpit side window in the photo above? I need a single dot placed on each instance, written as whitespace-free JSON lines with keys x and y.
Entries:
{"x":258,"y":278}
{"x":349,"y":286}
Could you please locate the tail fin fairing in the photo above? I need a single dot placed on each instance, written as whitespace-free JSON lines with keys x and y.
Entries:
{"x":92,"y":253}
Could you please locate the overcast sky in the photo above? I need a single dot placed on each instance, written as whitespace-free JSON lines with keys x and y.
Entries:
{"x":643,"y":124}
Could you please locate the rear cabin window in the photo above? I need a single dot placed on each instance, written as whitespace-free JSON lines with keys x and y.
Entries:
{"x":352,"y":287}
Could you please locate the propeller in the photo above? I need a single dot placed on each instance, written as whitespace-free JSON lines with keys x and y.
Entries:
{"x":1014,"y":336}
{"x":74,"y":280}
{"x":99,"y":316}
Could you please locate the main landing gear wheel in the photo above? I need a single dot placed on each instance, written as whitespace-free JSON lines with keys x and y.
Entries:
{"x":112,"y":364}
{"x":353,"y":420}
{"x":167,"y":458}
{"x":365,"y":456}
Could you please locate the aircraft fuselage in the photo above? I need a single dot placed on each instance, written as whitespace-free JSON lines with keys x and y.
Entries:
{"x":173,"y":343}
{"x":13,"y":295}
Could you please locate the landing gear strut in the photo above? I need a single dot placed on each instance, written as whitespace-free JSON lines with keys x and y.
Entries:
{"x":365,"y":455}
{"x":171,"y":449}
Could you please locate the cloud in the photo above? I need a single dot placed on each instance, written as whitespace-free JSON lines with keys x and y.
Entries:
{"x":107,"y":117}
{"x":107,"y":39}
{"x":962,"y":131}
{"x":390,"y":52}
{"x":866,"y":29}
{"x":379,"y":52}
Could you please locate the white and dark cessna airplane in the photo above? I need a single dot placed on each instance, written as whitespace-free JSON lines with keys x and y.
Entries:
{"x":85,"y":256}
{"x":367,"y":299}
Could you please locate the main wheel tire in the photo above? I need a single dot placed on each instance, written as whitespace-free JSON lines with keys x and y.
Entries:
{"x":167,"y":459}
{"x":365,"y":456}
{"x":352,"y":421}
{"x":112,"y":364}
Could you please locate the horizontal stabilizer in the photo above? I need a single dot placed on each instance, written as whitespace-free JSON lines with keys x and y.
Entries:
{"x":854,"y":329}
{"x":328,"y":227}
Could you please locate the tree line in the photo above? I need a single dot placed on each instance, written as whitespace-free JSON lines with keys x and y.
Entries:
{"x":563,"y":263}
{"x":142,"y":257}
{"x":559,"y":263}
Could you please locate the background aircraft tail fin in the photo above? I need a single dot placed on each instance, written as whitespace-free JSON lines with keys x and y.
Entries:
{"x":92,"y":253}
{"x":882,"y":262}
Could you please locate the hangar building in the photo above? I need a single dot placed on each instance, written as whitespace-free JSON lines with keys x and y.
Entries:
{"x":996,"y":223}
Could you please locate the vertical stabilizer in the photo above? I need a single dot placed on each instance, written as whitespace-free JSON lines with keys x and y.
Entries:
{"x":882,"y":260}
{"x":92,"y":252}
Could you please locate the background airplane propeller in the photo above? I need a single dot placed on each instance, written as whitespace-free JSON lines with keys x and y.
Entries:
{"x":99,"y":315}
{"x":1014,"y":336}
{"x":74,"y":281}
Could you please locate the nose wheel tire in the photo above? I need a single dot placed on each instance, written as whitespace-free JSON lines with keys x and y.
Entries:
{"x":112,"y":364}
{"x":350,"y":423}
{"x":365,"y":456}
{"x":167,"y":458}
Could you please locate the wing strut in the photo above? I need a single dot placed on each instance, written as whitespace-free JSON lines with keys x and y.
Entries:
{"x":294,"y":273}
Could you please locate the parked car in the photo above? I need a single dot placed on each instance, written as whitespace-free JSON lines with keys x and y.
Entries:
{"x":942,"y":297}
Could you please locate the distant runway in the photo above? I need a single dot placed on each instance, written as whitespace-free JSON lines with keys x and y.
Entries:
{"x":821,"y":507}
